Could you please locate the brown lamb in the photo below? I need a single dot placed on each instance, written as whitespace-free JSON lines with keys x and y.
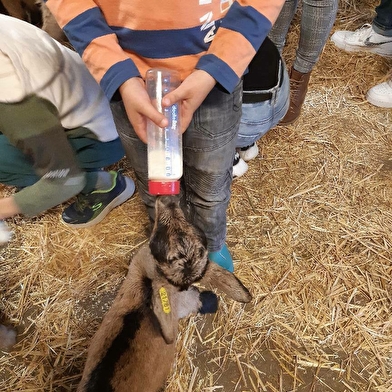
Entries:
{"x":27,"y":10}
{"x":134,"y":348}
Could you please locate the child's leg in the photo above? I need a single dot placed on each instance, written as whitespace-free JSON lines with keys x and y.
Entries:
{"x":266,"y":95}
{"x":15,"y":168}
{"x":278,"y":33}
{"x":104,"y":190}
{"x":209,"y":148}
{"x":93,"y":155}
{"x":317,"y":19}
{"x":136,"y":153}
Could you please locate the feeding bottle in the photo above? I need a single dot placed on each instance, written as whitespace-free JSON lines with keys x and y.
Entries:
{"x":164,"y":145}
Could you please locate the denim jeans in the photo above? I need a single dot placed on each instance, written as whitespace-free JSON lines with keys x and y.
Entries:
{"x":318,"y":17}
{"x":258,"y":118}
{"x":208,"y":152}
{"x":382,"y":23}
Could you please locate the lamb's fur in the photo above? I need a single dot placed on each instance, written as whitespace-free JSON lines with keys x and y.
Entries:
{"x":21,"y":9}
{"x":28,"y":10}
{"x":179,"y":248}
{"x":128,"y":348}
{"x":50,"y":25}
{"x":134,"y":348}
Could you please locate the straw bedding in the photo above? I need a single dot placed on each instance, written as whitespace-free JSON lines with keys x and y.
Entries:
{"x":310,"y":229}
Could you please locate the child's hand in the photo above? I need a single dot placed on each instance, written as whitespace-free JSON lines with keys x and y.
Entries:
{"x":139,"y":107}
{"x":190,"y":94}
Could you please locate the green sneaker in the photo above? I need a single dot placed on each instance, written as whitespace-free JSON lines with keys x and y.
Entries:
{"x":89,"y":209}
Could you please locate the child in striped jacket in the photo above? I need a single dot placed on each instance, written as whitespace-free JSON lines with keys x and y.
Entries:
{"x":211,"y":43}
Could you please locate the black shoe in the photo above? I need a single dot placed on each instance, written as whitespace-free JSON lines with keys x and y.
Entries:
{"x":89,"y":209}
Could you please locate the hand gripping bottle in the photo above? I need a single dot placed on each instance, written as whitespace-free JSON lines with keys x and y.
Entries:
{"x":164,"y":145}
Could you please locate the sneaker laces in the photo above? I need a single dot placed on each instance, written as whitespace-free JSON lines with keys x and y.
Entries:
{"x":296,"y":90}
{"x":364,"y":32}
{"x":82,"y":201}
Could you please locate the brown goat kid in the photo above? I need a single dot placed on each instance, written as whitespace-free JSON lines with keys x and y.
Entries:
{"x":35,"y":12}
{"x":134,"y":348}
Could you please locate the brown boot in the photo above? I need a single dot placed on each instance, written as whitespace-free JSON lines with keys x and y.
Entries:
{"x":298,"y":88}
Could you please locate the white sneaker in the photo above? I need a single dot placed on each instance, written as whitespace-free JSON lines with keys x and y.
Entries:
{"x":381,"y":95}
{"x":363,"y":39}
{"x":240,"y":167}
{"x":249,"y":152}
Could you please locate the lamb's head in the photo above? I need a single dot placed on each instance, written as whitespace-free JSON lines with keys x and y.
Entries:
{"x":179,"y":247}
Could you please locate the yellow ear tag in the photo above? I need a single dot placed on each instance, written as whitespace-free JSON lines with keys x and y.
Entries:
{"x":164,"y":300}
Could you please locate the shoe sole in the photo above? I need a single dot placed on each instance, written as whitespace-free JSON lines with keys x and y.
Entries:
{"x":288,"y":122}
{"x":380,"y":104}
{"x":121,"y":198}
{"x":366,"y":49}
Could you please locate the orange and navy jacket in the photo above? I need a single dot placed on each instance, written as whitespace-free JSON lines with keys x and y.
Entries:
{"x":121,"y":39}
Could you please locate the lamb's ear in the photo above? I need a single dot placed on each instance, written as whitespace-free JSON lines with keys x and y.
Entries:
{"x":163,"y":295}
{"x":225,"y":281}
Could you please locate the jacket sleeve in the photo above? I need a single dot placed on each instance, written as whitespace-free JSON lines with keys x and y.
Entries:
{"x":85,"y":26}
{"x":33,"y":127}
{"x":240,"y":35}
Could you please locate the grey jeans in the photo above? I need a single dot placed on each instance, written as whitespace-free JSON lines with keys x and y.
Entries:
{"x":208,"y":151}
{"x":317,"y":19}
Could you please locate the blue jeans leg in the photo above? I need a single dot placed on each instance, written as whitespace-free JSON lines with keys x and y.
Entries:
{"x":208,"y":151}
{"x":258,"y":118}
{"x":382,"y":23}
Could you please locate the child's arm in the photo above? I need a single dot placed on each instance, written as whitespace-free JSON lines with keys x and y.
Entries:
{"x":116,"y":45}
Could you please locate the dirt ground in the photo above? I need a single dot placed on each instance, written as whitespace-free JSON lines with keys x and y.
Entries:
{"x":309,"y":226}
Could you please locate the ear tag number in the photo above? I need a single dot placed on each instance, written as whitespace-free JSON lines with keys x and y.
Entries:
{"x":164,"y":300}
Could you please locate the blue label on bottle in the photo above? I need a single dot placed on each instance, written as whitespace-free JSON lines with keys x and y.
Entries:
{"x":170,"y":135}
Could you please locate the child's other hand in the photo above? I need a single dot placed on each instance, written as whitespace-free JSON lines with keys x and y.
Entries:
{"x":190,"y":94}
